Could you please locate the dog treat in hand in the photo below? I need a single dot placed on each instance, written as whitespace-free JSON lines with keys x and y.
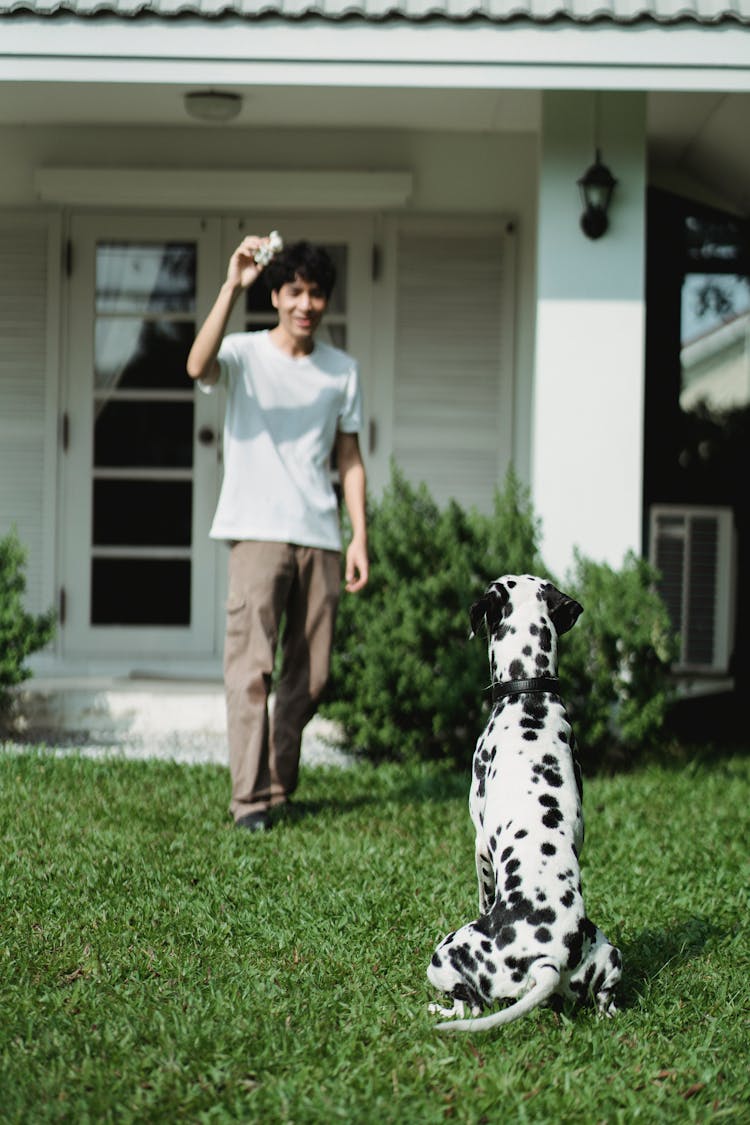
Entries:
{"x":264,"y":254}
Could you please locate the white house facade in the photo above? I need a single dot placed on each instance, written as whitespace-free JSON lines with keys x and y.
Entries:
{"x":436,"y":150}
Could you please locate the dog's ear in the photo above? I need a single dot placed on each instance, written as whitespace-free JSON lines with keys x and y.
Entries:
{"x":477,"y":614}
{"x":563,"y":609}
{"x":488,"y":609}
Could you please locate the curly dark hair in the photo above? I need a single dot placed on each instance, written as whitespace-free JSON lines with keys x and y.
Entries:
{"x":301,"y":259}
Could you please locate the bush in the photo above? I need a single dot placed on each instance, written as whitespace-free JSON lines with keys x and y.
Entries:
{"x":21,"y":633}
{"x":408,"y":682}
{"x":614,"y":665}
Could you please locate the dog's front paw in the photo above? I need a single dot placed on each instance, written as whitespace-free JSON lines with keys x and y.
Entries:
{"x":456,"y":1012}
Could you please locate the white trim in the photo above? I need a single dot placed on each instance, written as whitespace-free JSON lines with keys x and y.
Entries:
{"x":435,"y":54}
{"x":223,"y":188}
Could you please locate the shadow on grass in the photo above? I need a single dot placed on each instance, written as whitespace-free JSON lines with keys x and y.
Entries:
{"x":652,"y":951}
{"x":385,"y":786}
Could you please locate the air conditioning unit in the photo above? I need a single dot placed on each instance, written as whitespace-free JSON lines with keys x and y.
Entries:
{"x":694,"y":551}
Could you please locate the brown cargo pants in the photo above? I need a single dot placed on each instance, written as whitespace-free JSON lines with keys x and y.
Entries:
{"x":268,"y":582}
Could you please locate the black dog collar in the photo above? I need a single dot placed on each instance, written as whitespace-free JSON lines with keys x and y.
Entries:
{"x":521,"y":687}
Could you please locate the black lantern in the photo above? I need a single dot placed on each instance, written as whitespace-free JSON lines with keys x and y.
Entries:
{"x":596,"y":187}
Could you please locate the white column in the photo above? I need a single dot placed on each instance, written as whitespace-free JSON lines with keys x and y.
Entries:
{"x":587,"y":429}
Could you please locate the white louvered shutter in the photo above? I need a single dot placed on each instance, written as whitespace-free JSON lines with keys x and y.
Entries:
{"x":454,"y":358}
{"x":24,"y":343}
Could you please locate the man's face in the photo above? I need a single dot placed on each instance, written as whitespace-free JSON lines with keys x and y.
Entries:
{"x":300,"y":305}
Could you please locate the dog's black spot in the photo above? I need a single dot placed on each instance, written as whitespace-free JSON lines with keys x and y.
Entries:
{"x":597,"y":983}
{"x":520,"y":834}
{"x":552,"y":818}
{"x":517,"y":670}
{"x":436,"y":960}
{"x":549,"y":801}
{"x":487,"y":946}
{"x":506,"y":936}
{"x":568,"y":899}
{"x":548,"y":849}
{"x":549,"y":760}
{"x":485,"y":985}
{"x":531,"y":723}
{"x":506,"y":854}
{"x":512,"y":866}
{"x":553,"y":778}
{"x":533,"y":629}
{"x":545,"y":638}
{"x":463,"y":958}
{"x":543,"y":934}
{"x":530,"y":735}
{"x":542,"y":661}
{"x":527,"y":650}
{"x":513,"y":882}
{"x":545,"y":916}
{"x":574,"y":941}
{"x":541,"y":896}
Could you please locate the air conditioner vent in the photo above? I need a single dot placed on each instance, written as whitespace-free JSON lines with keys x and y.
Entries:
{"x":693,"y":548}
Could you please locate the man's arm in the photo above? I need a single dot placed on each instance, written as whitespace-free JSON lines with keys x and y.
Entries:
{"x":354,"y":487}
{"x":242,"y":271}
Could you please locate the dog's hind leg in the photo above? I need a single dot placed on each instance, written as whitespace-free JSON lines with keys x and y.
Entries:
{"x":606,"y":982}
{"x":485,"y":879}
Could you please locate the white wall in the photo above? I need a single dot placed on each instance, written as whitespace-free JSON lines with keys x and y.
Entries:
{"x":589,"y":378}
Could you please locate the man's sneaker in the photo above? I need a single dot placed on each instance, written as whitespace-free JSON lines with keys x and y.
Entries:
{"x":254,"y":822}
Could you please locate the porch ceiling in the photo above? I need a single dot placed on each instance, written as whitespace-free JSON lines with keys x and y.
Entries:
{"x":701,"y":135}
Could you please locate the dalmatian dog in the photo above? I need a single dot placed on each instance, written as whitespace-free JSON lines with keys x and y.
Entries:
{"x":532,"y":942}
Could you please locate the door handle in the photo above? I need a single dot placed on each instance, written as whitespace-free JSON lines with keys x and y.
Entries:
{"x":206,"y":435}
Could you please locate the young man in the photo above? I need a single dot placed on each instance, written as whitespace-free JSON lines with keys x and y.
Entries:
{"x":290,"y":401}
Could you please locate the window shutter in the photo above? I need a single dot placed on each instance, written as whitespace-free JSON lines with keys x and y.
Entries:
{"x":24,"y":341}
{"x":454,"y":356}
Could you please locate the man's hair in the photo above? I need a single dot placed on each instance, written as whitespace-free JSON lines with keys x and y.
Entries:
{"x":301,"y":259}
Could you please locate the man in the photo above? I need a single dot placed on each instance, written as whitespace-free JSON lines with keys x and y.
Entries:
{"x":291,"y":401}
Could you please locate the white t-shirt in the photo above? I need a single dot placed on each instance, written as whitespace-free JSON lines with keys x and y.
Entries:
{"x":281,"y":421}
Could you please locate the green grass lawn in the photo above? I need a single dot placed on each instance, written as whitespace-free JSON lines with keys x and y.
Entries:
{"x":158,"y":965}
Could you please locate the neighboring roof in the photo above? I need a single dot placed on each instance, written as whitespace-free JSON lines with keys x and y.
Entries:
{"x":706,"y":12}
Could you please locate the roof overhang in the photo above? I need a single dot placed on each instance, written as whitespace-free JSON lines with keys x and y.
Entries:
{"x":433,"y":54}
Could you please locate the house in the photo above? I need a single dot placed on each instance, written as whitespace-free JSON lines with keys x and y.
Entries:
{"x":437,"y":149}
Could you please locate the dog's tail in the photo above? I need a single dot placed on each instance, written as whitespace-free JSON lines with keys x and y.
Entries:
{"x":546,"y":980}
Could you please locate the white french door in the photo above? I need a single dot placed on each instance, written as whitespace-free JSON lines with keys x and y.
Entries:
{"x":141,"y":463}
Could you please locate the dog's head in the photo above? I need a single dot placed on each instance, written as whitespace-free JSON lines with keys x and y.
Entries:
{"x":507,"y":594}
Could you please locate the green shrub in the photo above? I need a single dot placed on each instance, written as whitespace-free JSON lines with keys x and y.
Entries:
{"x":408,"y":682}
{"x":21,"y":633}
{"x":406,"y":679}
{"x":614,"y":665}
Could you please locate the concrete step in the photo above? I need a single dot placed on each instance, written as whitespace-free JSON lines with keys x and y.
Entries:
{"x":155,"y":717}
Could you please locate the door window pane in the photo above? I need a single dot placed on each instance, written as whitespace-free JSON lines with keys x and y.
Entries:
{"x":142,"y":513}
{"x":715,"y":341}
{"x":136,"y":354}
{"x":143,"y":434}
{"x":145,"y":277}
{"x":140,"y":592}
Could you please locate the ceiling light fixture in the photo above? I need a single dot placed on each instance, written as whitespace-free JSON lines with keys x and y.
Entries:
{"x":213,"y":105}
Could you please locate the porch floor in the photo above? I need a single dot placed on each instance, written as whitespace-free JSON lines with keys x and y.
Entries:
{"x":179,"y":719}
